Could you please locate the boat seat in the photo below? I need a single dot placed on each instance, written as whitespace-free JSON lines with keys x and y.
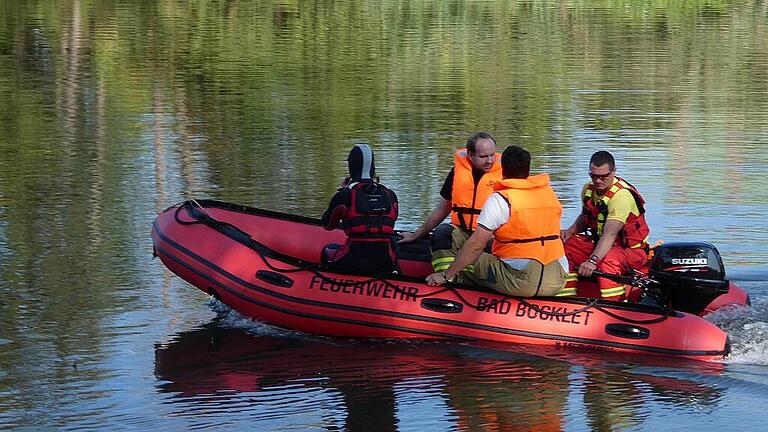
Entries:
{"x":357,"y":257}
{"x":417,"y":250}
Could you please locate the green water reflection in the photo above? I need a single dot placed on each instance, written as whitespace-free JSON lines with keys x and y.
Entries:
{"x":111,"y":111}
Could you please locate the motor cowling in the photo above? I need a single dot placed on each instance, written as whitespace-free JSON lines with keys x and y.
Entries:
{"x":689,"y":274}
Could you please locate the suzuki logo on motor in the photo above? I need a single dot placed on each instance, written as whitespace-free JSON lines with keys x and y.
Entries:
{"x":689,"y":261}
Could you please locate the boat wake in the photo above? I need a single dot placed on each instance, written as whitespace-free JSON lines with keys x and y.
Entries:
{"x":748,"y":330}
{"x":229,"y":318}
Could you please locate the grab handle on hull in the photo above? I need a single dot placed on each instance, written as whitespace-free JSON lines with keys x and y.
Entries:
{"x":274,"y":278}
{"x":627,"y":331}
{"x":442,"y":305}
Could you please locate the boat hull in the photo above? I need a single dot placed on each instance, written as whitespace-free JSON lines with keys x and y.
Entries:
{"x":266,"y":285}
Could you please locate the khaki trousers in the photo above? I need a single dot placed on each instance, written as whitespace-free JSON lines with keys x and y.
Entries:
{"x":489,"y":271}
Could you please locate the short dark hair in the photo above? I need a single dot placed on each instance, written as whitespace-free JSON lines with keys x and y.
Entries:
{"x":472,"y":141}
{"x":515,"y":162}
{"x":601,"y":158}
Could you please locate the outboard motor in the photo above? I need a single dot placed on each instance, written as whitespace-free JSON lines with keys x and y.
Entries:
{"x":689,"y":274}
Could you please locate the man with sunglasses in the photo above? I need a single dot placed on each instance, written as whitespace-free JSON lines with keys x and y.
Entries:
{"x":610,"y":234}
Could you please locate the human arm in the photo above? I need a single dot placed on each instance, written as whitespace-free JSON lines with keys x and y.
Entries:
{"x":579,"y":225}
{"x":611,"y":230}
{"x":619,"y":208}
{"x":472,"y":248}
{"x":336,"y":210}
{"x":437,"y":215}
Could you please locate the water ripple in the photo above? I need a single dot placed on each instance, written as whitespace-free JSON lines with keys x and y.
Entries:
{"x":748,"y":332}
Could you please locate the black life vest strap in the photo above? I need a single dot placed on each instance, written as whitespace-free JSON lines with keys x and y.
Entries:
{"x":461,"y":212}
{"x":541,"y":239}
{"x":466,"y":210}
{"x":368,"y":220}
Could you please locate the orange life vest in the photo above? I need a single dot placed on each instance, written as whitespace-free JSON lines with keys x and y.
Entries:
{"x":533,"y":228}
{"x":467,"y":198}
{"x":635,"y":232}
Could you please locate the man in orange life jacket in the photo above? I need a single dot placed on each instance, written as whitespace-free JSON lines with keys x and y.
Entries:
{"x":522,"y":217}
{"x":367,"y":211}
{"x":613,"y":212}
{"x":469,"y":183}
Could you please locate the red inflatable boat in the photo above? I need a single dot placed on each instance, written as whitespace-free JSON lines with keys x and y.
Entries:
{"x":266,"y":265}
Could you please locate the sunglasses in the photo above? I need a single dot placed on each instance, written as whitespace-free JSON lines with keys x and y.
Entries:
{"x":600,"y":176}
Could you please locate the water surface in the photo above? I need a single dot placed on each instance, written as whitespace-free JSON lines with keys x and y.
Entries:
{"x":112,"y":111}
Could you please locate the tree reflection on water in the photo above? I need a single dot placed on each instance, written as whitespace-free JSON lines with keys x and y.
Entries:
{"x":477,"y":387}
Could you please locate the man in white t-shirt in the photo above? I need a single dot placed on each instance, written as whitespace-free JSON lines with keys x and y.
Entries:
{"x":522,"y":217}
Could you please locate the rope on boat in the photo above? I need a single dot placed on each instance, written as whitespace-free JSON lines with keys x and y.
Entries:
{"x":264,"y":252}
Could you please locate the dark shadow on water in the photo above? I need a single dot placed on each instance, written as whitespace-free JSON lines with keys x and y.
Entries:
{"x":481,"y":386}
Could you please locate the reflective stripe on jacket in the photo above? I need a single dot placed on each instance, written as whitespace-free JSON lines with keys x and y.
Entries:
{"x":635,"y":232}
